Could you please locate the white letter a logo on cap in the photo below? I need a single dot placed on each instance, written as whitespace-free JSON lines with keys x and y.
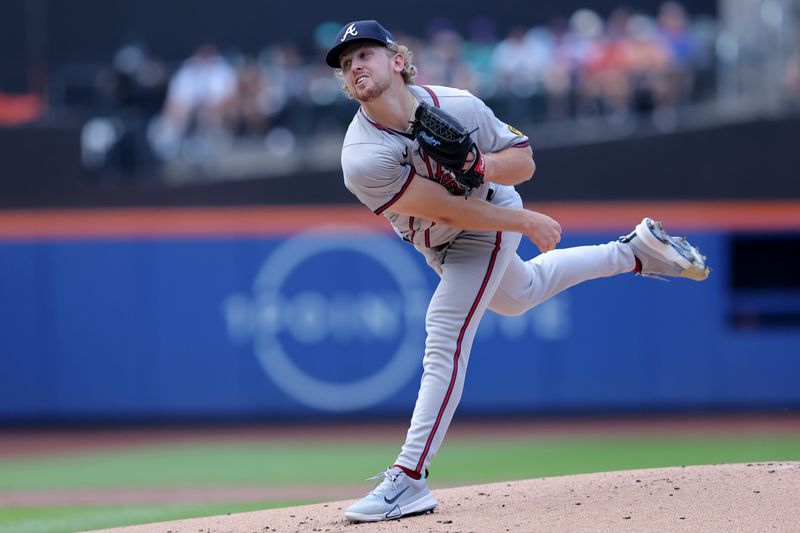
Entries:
{"x":350,"y":31}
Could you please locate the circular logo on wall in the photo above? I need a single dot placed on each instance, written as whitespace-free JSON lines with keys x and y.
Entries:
{"x":336,"y":317}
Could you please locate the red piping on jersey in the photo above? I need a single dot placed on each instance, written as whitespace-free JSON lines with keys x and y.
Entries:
{"x":397,"y":196}
{"x":457,"y":353}
{"x":433,"y":95}
{"x":522,"y":144}
{"x":382,"y":128}
{"x":411,"y":227}
{"x":428,"y":235}
{"x":428,"y":164}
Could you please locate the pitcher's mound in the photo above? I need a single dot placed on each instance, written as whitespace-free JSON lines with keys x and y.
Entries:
{"x":718,"y":498}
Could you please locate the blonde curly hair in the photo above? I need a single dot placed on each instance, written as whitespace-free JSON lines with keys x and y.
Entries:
{"x":409,"y":72}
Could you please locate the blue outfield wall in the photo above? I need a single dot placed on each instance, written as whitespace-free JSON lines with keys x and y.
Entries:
{"x":313,"y":325}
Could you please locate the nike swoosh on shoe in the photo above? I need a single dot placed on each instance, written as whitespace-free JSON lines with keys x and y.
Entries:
{"x":390,"y":502}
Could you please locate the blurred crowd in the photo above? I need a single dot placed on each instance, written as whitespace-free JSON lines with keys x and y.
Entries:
{"x":583,"y":65}
{"x":626,"y":65}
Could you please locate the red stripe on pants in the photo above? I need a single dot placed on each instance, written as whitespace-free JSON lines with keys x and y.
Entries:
{"x":457,"y":353}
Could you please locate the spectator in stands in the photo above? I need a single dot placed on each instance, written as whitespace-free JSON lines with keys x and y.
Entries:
{"x":684,"y":50}
{"x":597,"y":64}
{"x":518,"y":62}
{"x":443,"y":60}
{"x":478,"y":49}
{"x":137,"y":81}
{"x":291,"y":103}
{"x":199,"y":107}
{"x":648,"y":64}
{"x":562,"y":79}
{"x":132,"y":92}
{"x":251,"y":108}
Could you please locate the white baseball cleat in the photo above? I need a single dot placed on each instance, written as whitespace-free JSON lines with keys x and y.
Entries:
{"x":395,"y":497}
{"x":662,"y":255}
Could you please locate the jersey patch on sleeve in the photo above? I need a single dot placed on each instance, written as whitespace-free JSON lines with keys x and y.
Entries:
{"x":515,"y":131}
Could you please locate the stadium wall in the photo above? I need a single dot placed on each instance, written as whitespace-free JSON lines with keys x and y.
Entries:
{"x":310,"y":312}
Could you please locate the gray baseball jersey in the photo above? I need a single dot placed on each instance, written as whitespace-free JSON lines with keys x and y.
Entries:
{"x":478,"y":270}
{"x":379,"y":162}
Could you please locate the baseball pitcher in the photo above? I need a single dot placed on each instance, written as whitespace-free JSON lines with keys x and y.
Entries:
{"x":438,"y":164}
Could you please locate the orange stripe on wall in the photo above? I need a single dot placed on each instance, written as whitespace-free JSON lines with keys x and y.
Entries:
{"x":137,"y":223}
{"x":177,"y":222}
{"x":704,"y":216}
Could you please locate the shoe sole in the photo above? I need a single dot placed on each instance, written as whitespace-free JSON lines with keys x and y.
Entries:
{"x":654,"y":236}
{"x":422,"y":506}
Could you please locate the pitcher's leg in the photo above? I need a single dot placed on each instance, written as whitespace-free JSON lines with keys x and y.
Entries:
{"x":529,"y":283}
{"x":470,"y":275}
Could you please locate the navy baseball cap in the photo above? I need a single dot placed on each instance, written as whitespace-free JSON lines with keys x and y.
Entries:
{"x":360,"y":30}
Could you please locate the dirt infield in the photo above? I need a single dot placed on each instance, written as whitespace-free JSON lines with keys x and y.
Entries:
{"x":717,"y":498}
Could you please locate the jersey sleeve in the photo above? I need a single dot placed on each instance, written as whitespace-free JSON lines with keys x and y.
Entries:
{"x":493,"y":134}
{"x":374,"y":175}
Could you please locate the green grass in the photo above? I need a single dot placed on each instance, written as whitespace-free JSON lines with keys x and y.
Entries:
{"x":239,"y":464}
{"x":200,"y":465}
{"x":321,"y":463}
{"x":68,"y":519}
{"x":523,"y":460}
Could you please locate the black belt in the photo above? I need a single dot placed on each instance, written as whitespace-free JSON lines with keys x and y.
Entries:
{"x":490,"y":195}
